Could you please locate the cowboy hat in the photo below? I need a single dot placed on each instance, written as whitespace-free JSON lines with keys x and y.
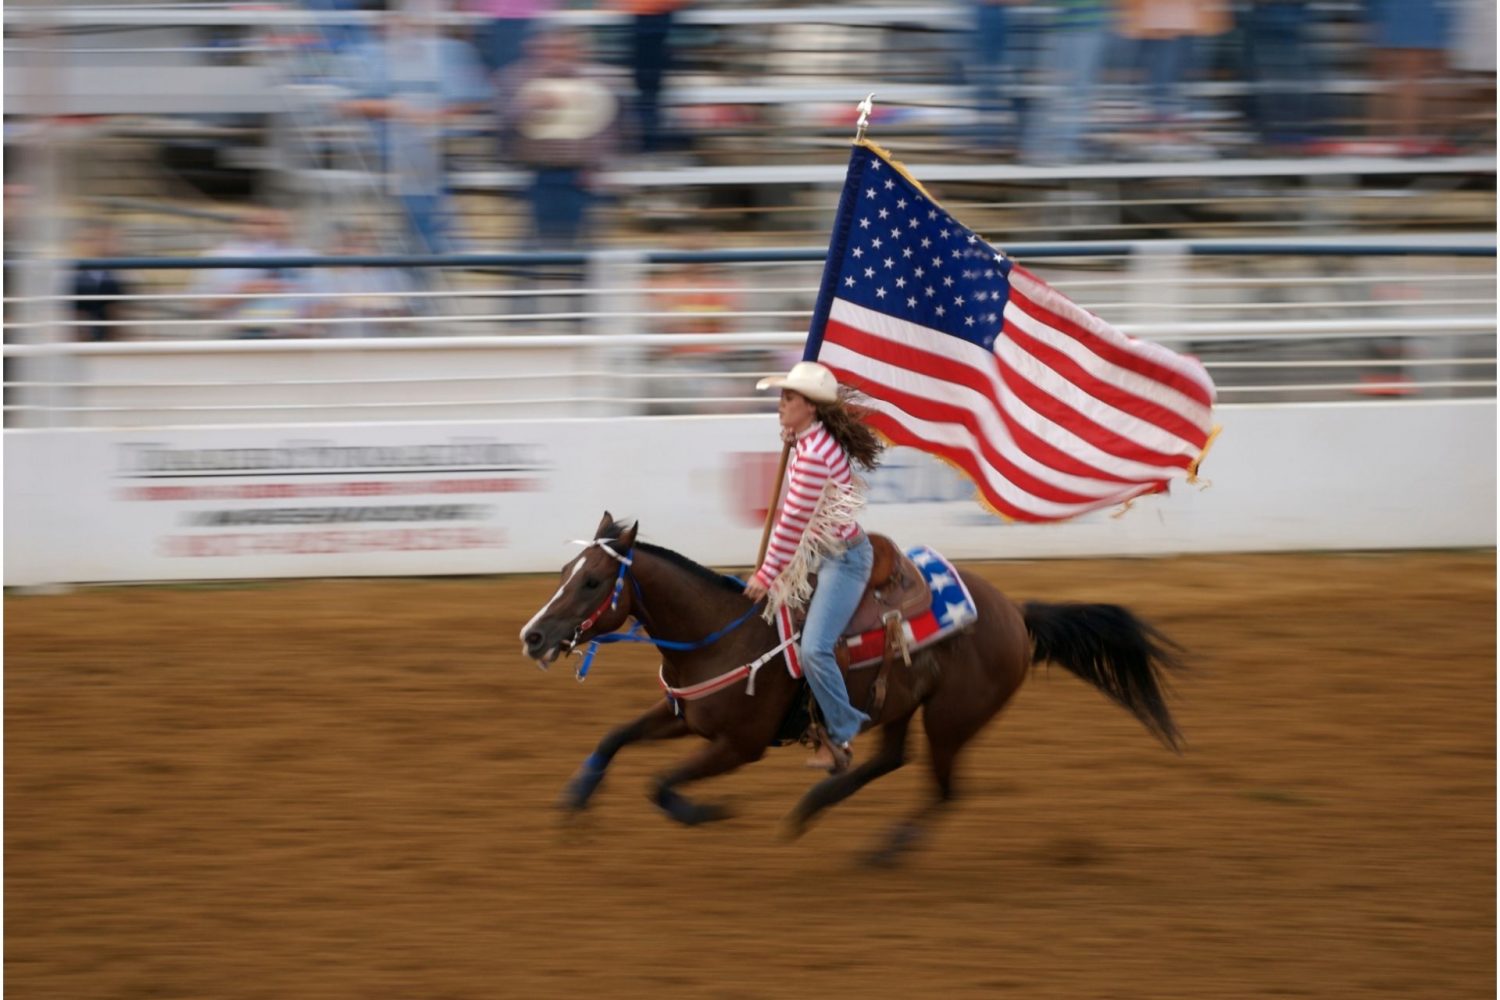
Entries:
{"x":808,"y":378}
{"x":568,"y":109}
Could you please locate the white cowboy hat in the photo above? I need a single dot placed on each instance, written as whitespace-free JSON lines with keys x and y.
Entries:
{"x":808,"y":378}
{"x":570,"y":109}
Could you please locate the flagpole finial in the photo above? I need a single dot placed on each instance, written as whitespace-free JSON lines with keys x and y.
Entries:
{"x":865,"y":108}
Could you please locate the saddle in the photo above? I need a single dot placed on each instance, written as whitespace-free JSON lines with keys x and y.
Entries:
{"x":897,"y":591}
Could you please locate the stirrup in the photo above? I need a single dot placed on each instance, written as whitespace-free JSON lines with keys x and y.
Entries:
{"x":843,"y":756}
{"x":839,"y":754}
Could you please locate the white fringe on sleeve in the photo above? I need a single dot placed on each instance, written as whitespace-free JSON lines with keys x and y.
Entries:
{"x":838,"y":507}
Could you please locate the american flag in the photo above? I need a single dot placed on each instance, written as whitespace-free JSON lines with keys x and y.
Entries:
{"x":963,"y":353}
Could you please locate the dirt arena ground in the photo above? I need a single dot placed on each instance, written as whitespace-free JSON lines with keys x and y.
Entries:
{"x":345,"y":789}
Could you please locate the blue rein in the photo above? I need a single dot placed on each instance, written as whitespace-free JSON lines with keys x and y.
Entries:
{"x":634,"y":635}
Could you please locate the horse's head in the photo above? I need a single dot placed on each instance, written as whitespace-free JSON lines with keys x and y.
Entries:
{"x":590,"y":600}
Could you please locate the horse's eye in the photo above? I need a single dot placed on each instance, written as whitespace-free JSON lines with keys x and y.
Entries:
{"x":590,"y":583}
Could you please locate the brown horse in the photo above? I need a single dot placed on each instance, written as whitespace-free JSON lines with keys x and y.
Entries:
{"x":960,"y":684}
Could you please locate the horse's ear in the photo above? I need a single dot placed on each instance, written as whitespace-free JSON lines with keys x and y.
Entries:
{"x":627,"y":537}
{"x":604,"y":524}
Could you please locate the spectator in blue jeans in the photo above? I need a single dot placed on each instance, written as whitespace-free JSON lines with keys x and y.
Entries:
{"x":1168,"y":34}
{"x":410,"y":83}
{"x":991,"y":72}
{"x":651,"y":58}
{"x":1282,"y":72}
{"x":559,"y":117}
{"x":1073,"y":47}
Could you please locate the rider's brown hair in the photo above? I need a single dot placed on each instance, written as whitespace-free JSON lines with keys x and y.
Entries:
{"x":845,"y":423}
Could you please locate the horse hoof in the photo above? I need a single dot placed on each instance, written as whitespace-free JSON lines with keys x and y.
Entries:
{"x":715,"y":814}
{"x":690,"y":813}
{"x":576,"y":794}
{"x":797,"y":823}
{"x":697,"y":815}
{"x":888,"y":856}
{"x":896,"y":847}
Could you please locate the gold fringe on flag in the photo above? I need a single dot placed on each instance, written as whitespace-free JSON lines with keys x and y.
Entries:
{"x":895,"y":164}
{"x":1193,"y":465}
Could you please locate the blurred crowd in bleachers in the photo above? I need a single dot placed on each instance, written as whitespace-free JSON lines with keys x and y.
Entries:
{"x":1049,"y":82}
{"x":1041,"y":82}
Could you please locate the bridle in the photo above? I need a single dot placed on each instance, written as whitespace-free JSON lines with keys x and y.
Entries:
{"x":612,"y":602}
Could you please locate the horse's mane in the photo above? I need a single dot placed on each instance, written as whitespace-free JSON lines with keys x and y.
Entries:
{"x":680,"y":561}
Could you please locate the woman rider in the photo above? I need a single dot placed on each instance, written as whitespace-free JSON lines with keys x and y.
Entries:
{"x":817,"y":530}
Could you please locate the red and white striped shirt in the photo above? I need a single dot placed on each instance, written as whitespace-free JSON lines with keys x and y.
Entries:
{"x":816,"y":459}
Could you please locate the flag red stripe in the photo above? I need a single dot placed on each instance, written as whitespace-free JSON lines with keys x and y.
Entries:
{"x":898,"y":434}
{"x":1110,"y":352}
{"x":946,"y":369}
{"x":1106,"y":439}
{"x":934,"y":411}
{"x":1074,"y":423}
{"x":1113,"y":395}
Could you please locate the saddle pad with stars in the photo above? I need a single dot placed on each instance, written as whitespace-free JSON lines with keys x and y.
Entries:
{"x":952,"y":609}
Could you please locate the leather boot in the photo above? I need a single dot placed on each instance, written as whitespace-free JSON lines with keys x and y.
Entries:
{"x":831,"y":757}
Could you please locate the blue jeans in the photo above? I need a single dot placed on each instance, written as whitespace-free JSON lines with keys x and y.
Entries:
{"x":1168,"y":62}
{"x":559,"y":207}
{"x":652,"y":55}
{"x":997,"y":111}
{"x":426,"y":226}
{"x":841,"y":583}
{"x":1072,"y":58}
{"x":1283,"y":77}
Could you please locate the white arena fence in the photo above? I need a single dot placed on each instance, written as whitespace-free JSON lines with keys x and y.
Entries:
{"x":627,"y":333}
{"x":1357,"y":387}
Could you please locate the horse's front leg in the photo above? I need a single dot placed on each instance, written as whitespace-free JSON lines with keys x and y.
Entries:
{"x":718,"y":757}
{"x":660,"y":723}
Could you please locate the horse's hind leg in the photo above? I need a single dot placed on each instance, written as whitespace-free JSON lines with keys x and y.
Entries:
{"x":660,"y":723}
{"x":831,"y":791}
{"x":908,"y":833}
{"x":949,"y":722}
{"x":718,"y":757}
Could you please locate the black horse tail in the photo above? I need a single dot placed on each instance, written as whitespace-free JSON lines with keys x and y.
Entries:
{"x":1115,"y":651}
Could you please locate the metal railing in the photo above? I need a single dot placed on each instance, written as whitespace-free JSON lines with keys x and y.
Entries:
{"x":671,"y":332}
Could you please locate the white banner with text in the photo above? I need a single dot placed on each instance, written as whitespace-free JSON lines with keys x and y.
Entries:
{"x":503,"y":497}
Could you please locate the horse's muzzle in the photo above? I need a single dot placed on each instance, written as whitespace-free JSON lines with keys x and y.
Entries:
{"x":538,"y":646}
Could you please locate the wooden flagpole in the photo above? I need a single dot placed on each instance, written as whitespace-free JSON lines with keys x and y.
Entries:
{"x":864,"y":108}
{"x":765,"y":536}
